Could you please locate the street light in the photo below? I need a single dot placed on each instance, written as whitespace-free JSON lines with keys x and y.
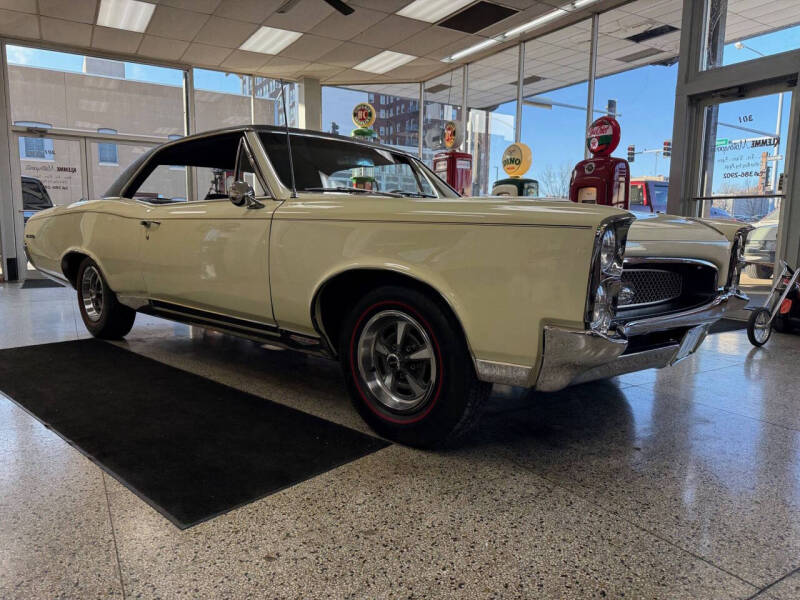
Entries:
{"x":742,"y":46}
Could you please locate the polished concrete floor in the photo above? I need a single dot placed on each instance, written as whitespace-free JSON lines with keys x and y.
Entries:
{"x":683,"y":483}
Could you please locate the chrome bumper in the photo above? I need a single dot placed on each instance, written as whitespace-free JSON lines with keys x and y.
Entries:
{"x":573,"y":356}
{"x":577,"y":356}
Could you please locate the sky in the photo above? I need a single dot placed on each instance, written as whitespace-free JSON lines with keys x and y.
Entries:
{"x":645,"y":105}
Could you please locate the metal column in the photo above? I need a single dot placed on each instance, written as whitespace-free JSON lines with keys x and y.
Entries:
{"x":464,"y":109}
{"x":520,"y":86}
{"x":592,"y":76}
{"x":189,"y":126}
{"x":421,"y":118}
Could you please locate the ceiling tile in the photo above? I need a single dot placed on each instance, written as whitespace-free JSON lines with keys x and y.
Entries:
{"x":348,"y":54}
{"x":169,"y":22}
{"x":338,"y":26}
{"x":282,"y":67}
{"x":225,"y":32}
{"x":390,"y":31}
{"x":430,"y":39}
{"x":203,"y":6}
{"x":66,"y":32}
{"x":18,"y":24}
{"x":75,"y":10}
{"x":205,"y":55}
{"x":310,"y":48}
{"x":246,"y":61}
{"x":387,"y":6}
{"x":302,"y":17}
{"x":115,"y":40}
{"x":252,"y":11}
{"x":321,"y":72}
{"x":353,"y":76}
{"x":454,"y":47}
{"x":413,"y":73}
{"x":162,"y":48}
{"x":28,"y":6}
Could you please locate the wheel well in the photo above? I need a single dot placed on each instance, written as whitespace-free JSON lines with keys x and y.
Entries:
{"x":70,"y":264}
{"x":339,"y":294}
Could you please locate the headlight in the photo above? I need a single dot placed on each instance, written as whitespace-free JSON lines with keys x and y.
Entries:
{"x":602,"y":313}
{"x":608,"y":250}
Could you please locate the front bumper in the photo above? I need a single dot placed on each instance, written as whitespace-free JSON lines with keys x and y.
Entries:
{"x":576,"y":356}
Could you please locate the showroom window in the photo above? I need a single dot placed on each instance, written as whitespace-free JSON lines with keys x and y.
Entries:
{"x":268,"y":102}
{"x":443,"y":96}
{"x":36,"y":148}
{"x":221,"y":99}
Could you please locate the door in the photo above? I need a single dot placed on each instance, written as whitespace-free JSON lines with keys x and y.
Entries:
{"x":207,"y":254}
{"x":741,"y":175}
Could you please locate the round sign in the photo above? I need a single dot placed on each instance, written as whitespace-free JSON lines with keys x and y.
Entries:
{"x":452,"y":135}
{"x":517,"y":159}
{"x":364,"y":115}
{"x":603,"y":136}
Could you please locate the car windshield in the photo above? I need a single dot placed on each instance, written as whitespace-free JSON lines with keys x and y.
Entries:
{"x":330,"y":165}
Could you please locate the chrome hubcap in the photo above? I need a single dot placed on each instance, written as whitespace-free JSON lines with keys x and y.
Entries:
{"x":92,"y":293}
{"x":396,"y":361}
{"x":762,"y":327}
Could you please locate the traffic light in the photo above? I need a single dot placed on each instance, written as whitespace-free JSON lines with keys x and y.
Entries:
{"x":667,"y":148}
{"x":631,"y":153}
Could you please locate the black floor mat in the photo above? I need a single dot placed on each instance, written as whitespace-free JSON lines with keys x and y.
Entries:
{"x":30,"y":284}
{"x":724,"y":325}
{"x":191,"y":447}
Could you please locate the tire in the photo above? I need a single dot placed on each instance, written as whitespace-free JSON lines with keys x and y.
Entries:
{"x":102,"y":313}
{"x":422,"y":392}
{"x":757,"y":332}
{"x":782,"y":324}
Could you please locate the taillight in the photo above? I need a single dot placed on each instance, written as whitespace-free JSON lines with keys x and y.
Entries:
{"x":786,"y":307}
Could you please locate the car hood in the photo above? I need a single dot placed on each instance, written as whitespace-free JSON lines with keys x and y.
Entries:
{"x":672,"y":228}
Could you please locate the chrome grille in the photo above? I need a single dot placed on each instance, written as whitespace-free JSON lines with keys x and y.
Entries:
{"x":649,"y":286}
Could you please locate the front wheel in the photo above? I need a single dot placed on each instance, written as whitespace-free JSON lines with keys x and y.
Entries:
{"x":408,"y":369}
{"x":102,"y":313}
{"x":759,"y":327}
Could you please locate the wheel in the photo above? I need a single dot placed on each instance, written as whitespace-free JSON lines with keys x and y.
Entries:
{"x":102,"y":313}
{"x":759,"y":327}
{"x":408,"y":369}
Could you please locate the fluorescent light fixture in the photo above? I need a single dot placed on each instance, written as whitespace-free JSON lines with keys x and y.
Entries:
{"x":583,"y":3}
{"x":537,"y":22}
{"x":431,"y":11}
{"x":472,"y":49}
{"x":268,"y":40}
{"x":125,"y":14}
{"x":384,"y":62}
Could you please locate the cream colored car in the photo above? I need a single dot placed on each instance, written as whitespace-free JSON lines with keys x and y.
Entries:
{"x":425,"y":297}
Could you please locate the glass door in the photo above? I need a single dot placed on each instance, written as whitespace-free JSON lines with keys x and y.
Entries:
{"x":741,"y":175}
{"x":52,"y":172}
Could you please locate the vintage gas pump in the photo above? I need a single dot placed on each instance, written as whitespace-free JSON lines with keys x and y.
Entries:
{"x":601,"y":179}
{"x":363,"y":118}
{"x":453,"y":166}
{"x":517,"y":160}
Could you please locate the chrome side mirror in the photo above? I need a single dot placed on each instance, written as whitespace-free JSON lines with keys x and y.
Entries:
{"x":243,"y":194}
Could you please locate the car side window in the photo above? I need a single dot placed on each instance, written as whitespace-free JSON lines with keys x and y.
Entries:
{"x":209,"y":162}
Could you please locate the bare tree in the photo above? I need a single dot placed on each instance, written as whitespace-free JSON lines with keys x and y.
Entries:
{"x":554,"y":181}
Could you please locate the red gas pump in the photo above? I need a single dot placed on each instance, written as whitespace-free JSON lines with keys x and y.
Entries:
{"x":601,"y":179}
{"x":453,"y":166}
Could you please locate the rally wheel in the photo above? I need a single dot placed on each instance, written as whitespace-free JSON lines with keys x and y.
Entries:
{"x":102,"y":313}
{"x":408,"y":369}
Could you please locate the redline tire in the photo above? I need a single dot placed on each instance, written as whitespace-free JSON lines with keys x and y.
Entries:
{"x":428,"y":401}
{"x":101,"y":312}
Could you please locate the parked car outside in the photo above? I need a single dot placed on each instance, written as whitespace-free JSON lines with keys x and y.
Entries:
{"x":424,"y":297}
{"x":650,"y":195}
{"x":759,"y":252}
{"x":34,"y":197}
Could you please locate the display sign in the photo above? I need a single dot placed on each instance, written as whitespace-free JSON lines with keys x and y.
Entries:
{"x":517,"y":159}
{"x":603,"y":135}
{"x":452,"y":135}
{"x":364,"y":115}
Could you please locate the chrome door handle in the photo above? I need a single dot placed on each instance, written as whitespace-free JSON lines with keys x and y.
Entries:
{"x":149,"y":224}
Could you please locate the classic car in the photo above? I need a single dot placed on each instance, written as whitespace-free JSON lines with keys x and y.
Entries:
{"x":425,"y":297}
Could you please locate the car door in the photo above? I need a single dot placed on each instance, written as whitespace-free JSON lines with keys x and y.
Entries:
{"x":210,"y":255}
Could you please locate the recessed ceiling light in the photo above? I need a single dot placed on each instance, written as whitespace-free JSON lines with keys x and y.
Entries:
{"x":125,"y":14}
{"x":471,"y":49}
{"x":384,"y":62}
{"x":432,"y":10}
{"x":269,"y":40}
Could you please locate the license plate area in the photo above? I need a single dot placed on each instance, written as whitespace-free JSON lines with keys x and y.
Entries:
{"x":691,"y":341}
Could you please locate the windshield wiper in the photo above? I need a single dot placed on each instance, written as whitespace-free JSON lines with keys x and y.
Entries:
{"x":416,"y":195}
{"x":349,"y":190}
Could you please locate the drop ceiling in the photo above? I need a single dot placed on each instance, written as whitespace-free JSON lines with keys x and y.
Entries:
{"x":210,"y":33}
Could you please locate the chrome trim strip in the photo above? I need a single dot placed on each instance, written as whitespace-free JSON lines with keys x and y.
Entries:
{"x":500,"y":372}
{"x":635,"y":260}
{"x":705,"y":314}
{"x":657,"y":358}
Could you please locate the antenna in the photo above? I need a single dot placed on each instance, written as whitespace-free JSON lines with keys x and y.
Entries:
{"x":288,"y":141}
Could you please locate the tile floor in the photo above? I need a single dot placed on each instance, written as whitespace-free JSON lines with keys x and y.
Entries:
{"x":682,"y":483}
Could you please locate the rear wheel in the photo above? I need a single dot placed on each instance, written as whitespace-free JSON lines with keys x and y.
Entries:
{"x":408,"y":369}
{"x":102,"y":313}
{"x":759,"y":327}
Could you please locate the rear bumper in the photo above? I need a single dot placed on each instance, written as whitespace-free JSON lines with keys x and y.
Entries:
{"x":572,"y":356}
